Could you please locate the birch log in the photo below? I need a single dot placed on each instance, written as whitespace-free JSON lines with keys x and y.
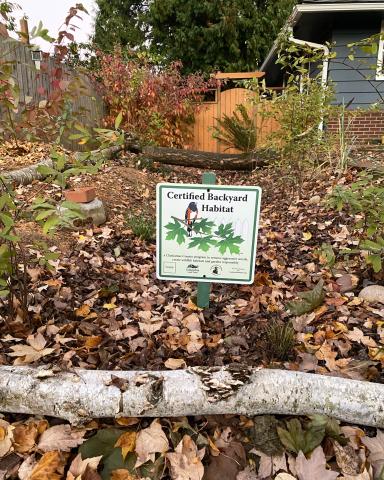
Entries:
{"x":26,"y":175}
{"x":83,"y":394}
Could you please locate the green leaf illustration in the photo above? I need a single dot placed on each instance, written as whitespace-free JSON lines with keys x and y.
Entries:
{"x":202,"y":243}
{"x":203,"y":226}
{"x":225,"y":230}
{"x":230,"y":243}
{"x":176,"y":232}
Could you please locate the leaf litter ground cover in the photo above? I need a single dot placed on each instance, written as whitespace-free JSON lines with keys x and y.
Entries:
{"x":101,"y":307}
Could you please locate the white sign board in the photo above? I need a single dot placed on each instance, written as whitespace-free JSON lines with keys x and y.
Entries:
{"x":207,"y":233}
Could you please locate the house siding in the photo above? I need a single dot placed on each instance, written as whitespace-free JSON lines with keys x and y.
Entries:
{"x":354,"y":79}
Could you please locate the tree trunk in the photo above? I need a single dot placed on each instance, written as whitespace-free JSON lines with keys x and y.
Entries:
{"x":206,"y":160}
{"x":83,"y":394}
{"x":26,"y":175}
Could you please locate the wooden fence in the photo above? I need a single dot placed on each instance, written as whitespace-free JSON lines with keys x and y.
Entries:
{"x":36,"y":84}
{"x":225,"y":103}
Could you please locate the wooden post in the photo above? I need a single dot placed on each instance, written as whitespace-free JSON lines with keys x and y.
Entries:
{"x":204,"y":288}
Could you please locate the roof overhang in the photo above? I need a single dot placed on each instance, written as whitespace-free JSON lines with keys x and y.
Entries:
{"x":314,"y":8}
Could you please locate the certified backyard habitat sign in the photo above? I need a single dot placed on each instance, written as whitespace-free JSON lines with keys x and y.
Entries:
{"x":207,"y":233}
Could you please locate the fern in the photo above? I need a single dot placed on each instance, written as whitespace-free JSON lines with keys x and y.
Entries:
{"x":237,"y":131}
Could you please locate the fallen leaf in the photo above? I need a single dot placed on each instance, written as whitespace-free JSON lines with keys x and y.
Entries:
{"x":121,"y":474}
{"x":314,"y":467}
{"x":175,"y":363}
{"x":83,"y":311}
{"x":49,"y":467}
{"x":61,"y":438}
{"x":127,"y":442}
{"x":150,"y":441}
{"x":347,"y":459}
{"x":375,"y":446}
{"x":185,"y":461}
{"x":6,"y":437}
{"x":79,"y":466}
{"x":24,"y":437}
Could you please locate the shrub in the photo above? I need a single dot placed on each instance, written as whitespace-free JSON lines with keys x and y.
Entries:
{"x":237,"y":131}
{"x":141,"y":227}
{"x":365,"y":200}
{"x":158,"y":104}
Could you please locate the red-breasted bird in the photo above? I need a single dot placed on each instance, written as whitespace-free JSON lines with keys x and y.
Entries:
{"x":190,"y":217}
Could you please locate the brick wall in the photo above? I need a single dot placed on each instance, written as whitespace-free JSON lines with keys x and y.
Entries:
{"x":367,"y":127}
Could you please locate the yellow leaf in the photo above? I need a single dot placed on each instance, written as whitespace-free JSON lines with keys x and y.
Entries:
{"x":192,"y":306}
{"x":109,"y":306}
{"x":307,"y":236}
{"x":83,"y":311}
{"x":127,"y":442}
{"x":214,"y":450}
{"x":49,"y":467}
{"x":127,"y":421}
{"x":93,"y":341}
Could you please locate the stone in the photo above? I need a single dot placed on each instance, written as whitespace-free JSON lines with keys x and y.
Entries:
{"x":94,"y":210}
{"x":373,"y":293}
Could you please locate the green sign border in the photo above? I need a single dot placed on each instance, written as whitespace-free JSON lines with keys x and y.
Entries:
{"x":159,"y":206}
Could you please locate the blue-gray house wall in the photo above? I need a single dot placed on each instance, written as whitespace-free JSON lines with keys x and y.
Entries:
{"x":354,"y":79}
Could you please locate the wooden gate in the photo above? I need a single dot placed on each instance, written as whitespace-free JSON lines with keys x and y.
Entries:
{"x":225,"y":104}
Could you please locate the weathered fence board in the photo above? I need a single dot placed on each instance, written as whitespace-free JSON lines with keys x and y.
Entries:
{"x":225,"y":104}
{"x":36,"y":84}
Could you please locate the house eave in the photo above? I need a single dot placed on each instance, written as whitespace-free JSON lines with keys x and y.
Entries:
{"x":299,"y":10}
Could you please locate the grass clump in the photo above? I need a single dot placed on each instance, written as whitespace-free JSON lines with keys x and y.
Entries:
{"x":141,"y":227}
{"x":281,"y":340}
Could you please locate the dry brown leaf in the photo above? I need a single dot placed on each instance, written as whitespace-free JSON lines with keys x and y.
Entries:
{"x":6,"y":437}
{"x":61,"y":438}
{"x":247,"y":474}
{"x":284,"y":476}
{"x":270,"y":465}
{"x":365,"y":475}
{"x":314,"y":467}
{"x":79,"y":466}
{"x":127,"y":442}
{"x":49,"y":467}
{"x":27,"y":467}
{"x":175,"y":363}
{"x":83,"y":311}
{"x":347,"y":459}
{"x":185,"y":461}
{"x":192,"y":322}
{"x":123,"y":475}
{"x":375,"y":446}
{"x":228,"y":464}
{"x":24,"y":437}
{"x":150,"y":441}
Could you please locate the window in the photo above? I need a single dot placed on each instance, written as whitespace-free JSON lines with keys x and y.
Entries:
{"x":380,"y":56}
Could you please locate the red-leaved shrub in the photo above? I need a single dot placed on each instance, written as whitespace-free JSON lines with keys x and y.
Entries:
{"x":158,"y":104}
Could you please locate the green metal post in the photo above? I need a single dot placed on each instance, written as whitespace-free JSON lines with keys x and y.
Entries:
{"x":204,"y":288}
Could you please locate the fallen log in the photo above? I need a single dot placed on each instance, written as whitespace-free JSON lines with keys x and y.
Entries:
{"x":26,"y":175}
{"x":83,"y":394}
{"x":206,"y":160}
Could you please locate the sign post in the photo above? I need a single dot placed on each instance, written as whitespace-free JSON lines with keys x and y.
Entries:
{"x":207,"y":233}
{"x":204,"y":288}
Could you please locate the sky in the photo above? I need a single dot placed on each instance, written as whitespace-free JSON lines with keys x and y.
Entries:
{"x":53,"y":12}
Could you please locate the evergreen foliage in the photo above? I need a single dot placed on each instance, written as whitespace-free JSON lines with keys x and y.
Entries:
{"x":206,"y":35}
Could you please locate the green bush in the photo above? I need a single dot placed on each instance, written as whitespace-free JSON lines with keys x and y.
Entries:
{"x":364,"y":199}
{"x":141,"y":227}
